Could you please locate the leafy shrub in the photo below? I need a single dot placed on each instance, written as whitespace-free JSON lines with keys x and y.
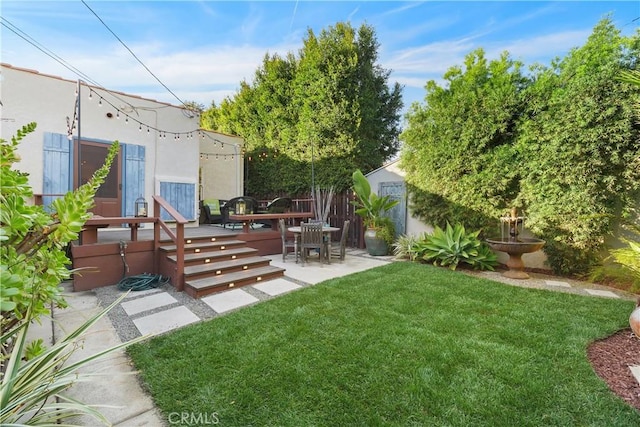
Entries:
{"x":32,"y":265}
{"x":561,"y":143}
{"x":454,"y":245}
{"x":405,"y":247}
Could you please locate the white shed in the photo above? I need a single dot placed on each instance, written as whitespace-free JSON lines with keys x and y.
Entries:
{"x":389,"y":180}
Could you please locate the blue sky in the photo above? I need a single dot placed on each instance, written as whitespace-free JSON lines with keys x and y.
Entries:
{"x":201,"y":50}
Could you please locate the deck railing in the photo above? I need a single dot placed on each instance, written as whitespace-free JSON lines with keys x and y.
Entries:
{"x":177,"y":238}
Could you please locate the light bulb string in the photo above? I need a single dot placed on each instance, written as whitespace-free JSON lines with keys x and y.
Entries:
{"x":162,"y":134}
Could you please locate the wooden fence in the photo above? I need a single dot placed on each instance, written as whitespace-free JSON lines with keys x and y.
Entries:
{"x":341,"y":210}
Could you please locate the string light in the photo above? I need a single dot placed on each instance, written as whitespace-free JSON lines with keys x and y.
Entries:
{"x":161,"y":134}
{"x":218,"y":156}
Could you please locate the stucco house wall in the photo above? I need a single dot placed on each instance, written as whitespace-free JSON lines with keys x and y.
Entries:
{"x":161,"y":142}
{"x":221,"y":166}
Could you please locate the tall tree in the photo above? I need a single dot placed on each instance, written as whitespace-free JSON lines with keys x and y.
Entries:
{"x":330,"y":103}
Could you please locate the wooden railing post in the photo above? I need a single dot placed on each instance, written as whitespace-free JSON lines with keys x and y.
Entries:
{"x":177,"y":238}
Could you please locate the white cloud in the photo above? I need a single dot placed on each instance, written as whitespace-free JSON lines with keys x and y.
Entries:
{"x":541,"y":47}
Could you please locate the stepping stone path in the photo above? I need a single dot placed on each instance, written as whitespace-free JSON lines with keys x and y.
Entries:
{"x":600,"y":293}
{"x":229,"y":300}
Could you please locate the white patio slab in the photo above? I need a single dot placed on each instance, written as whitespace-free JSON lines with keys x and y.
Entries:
{"x":150,"y":302}
{"x":635,"y":370}
{"x":314,"y":272}
{"x":557,"y":283}
{"x":600,"y":293}
{"x":277,"y":287}
{"x":138,"y":294}
{"x":229,"y":300}
{"x":164,"y":321}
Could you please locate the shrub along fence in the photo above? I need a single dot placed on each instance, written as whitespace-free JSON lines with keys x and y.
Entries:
{"x":340,"y":211}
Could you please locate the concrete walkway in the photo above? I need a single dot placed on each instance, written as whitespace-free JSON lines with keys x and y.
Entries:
{"x":162,"y":310}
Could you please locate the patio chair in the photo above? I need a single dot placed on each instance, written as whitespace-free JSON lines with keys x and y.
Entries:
{"x":279,"y":205}
{"x":287,"y":243}
{"x":311,"y":237}
{"x":210,"y":211}
{"x":231,"y":207}
{"x":338,"y":248}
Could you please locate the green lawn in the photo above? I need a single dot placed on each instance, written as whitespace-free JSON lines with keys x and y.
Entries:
{"x":400,"y":345}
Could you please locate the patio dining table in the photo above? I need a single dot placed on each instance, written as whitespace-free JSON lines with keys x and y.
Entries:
{"x":326,"y":231}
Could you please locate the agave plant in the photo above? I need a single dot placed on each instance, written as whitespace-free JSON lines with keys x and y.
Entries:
{"x":453,"y":245}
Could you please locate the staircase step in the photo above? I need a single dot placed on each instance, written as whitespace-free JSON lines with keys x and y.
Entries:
{"x":201,"y":287}
{"x":220,"y":267}
{"x":215,"y":256}
{"x":202,"y":239}
{"x":199,"y":247}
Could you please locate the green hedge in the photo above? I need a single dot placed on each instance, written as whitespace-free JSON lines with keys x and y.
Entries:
{"x":561,"y":143}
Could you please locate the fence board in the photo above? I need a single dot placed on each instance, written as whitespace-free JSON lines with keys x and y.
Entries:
{"x":341,"y":210}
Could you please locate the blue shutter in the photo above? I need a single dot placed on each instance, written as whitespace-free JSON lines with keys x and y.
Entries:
{"x":58,"y":166}
{"x":133,"y":177}
{"x":181,"y":196}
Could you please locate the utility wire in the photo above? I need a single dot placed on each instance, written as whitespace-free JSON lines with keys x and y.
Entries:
{"x":133,"y":54}
{"x":26,"y":37}
{"x":33,"y":42}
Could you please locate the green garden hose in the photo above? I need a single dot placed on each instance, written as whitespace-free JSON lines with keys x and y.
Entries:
{"x":142,"y":282}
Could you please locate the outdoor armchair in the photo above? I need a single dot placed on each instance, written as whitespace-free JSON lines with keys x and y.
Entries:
{"x":210,"y":211}
{"x":279,"y":205}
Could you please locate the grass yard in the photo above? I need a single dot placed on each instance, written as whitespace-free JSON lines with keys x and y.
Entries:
{"x":400,"y":345}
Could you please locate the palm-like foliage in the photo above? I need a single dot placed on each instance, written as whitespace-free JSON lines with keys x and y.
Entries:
{"x":31,"y":392}
{"x":369,"y":205}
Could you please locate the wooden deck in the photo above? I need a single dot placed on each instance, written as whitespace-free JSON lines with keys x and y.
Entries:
{"x":113,"y":253}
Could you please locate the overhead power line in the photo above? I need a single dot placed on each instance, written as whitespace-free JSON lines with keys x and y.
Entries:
{"x":26,"y":37}
{"x":133,"y":54}
{"x":33,"y":42}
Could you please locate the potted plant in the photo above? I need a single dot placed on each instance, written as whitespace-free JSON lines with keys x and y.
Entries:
{"x":379,"y":229}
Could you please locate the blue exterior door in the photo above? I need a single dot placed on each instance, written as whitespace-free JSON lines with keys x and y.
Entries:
{"x":396,"y":191}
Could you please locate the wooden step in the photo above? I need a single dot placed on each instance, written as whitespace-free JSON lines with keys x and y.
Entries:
{"x":223,"y":267}
{"x":201,"y":239}
{"x":206,"y":246}
{"x":215,"y":256}
{"x":222,"y":282}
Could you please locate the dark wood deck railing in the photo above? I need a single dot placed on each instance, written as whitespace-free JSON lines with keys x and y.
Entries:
{"x":178,"y":238}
